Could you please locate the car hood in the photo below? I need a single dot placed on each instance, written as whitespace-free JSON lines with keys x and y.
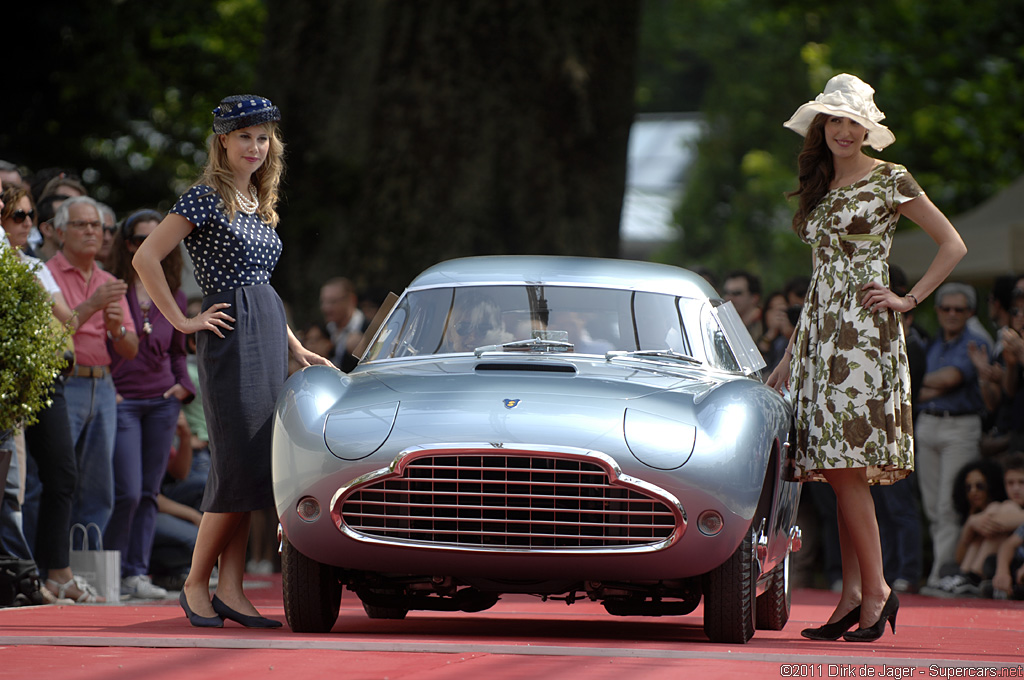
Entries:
{"x":596,"y":378}
{"x":584,"y":404}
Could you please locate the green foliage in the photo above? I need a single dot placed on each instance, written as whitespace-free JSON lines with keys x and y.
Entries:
{"x":121,"y":91}
{"x":31,"y":345}
{"x":946,"y":75}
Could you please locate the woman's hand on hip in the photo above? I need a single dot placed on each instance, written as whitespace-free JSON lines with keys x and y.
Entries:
{"x":878,"y":298}
{"x":213,"y":319}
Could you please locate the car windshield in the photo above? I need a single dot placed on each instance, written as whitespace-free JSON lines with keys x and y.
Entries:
{"x":612,"y":323}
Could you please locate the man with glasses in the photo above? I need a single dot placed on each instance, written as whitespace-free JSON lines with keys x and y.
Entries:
{"x":948,"y":427}
{"x":104,"y":324}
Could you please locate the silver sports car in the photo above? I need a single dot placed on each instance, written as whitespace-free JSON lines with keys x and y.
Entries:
{"x":563,"y":427}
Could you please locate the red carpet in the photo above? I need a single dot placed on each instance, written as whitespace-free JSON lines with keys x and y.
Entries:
{"x":521,"y":637}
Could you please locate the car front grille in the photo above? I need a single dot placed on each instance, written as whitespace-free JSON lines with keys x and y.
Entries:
{"x":509,"y":501}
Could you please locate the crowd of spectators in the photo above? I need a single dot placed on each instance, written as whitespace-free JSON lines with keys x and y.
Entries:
{"x":124,"y":444}
{"x":955,"y":527}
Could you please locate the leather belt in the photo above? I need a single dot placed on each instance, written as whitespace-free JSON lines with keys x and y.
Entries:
{"x":80,"y":371}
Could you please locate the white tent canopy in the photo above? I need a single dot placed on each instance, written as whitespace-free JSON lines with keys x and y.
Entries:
{"x":993,"y":232}
{"x":661,"y":151}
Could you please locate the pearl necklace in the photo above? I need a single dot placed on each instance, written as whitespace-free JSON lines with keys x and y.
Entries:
{"x":246,"y":204}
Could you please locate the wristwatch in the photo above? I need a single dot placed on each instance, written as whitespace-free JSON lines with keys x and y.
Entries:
{"x":120,"y":334}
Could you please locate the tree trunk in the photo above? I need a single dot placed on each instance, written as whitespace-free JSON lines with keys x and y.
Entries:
{"x":423,"y":130}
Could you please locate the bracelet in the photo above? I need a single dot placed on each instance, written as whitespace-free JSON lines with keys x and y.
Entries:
{"x":123,"y":332}
{"x":914,"y":298}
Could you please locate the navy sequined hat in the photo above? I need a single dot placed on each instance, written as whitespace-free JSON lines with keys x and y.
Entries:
{"x":243,"y":110}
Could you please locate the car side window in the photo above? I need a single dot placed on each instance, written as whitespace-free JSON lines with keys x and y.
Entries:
{"x":716,"y":344}
{"x":658,"y":323}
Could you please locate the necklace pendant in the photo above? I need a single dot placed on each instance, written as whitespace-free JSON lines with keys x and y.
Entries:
{"x":147,"y":328}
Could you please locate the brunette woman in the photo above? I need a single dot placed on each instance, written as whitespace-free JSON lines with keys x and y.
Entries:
{"x":848,"y":366}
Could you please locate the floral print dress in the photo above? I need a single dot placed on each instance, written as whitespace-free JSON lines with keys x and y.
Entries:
{"x":849,"y":374}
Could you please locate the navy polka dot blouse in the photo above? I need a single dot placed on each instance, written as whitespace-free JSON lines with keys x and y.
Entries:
{"x":226,"y":255}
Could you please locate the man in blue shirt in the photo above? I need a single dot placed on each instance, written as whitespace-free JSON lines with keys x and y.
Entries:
{"x":948,"y":428}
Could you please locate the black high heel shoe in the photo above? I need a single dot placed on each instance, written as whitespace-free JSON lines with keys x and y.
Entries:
{"x":832,"y":631}
{"x":889,"y":610}
{"x":248,"y":621}
{"x":197,"y":620}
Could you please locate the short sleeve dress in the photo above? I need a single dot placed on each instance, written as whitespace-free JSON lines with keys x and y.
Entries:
{"x":849,"y":375}
{"x":240,"y":375}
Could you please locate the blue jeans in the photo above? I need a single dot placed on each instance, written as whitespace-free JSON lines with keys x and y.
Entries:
{"x":92,"y":415}
{"x":12,"y":540}
{"x":145,"y":433}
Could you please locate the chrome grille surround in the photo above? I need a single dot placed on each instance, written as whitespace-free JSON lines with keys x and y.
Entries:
{"x":524,"y":498}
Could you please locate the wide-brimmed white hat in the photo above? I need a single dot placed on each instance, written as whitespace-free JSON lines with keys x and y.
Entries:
{"x":850,"y":97}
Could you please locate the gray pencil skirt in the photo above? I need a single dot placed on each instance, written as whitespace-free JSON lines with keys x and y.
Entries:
{"x":240,"y":377}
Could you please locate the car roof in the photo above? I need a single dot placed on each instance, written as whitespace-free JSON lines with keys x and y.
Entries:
{"x":553,"y":270}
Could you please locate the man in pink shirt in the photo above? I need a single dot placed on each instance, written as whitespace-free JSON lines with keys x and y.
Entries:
{"x":104,"y":325}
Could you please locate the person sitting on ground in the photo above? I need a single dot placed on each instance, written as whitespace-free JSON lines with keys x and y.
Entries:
{"x":1008,"y":580}
{"x":982,"y":534}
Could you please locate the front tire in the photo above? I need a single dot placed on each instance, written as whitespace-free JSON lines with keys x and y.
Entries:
{"x":729,"y":596}
{"x":311,"y":591}
{"x":774,"y":603}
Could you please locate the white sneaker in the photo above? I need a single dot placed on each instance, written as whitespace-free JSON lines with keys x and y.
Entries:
{"x":141,"y":587}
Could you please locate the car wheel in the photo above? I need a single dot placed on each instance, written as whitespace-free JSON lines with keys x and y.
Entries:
{"x":311,"y":591}
{"x":729,"y":596}
{"x":774,"y":603}
{"x":375,"y":612}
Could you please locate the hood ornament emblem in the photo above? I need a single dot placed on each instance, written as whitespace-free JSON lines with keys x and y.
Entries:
{"x":511,"y":403}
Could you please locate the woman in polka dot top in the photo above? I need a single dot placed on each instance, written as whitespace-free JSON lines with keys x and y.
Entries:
{"x":227,"y":222}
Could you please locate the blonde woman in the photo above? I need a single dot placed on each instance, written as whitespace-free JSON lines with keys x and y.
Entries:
{"x":227,"y":222}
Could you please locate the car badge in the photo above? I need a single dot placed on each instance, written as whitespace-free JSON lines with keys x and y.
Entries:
{"x":511,"y":403}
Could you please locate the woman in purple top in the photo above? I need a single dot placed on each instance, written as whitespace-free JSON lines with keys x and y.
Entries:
{"x":150,"y":390}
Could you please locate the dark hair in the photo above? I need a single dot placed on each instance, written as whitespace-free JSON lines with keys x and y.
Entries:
{"x":797,"y":285}
{"x":753,"y":282}
{"x":1002,"y":290}
{"x":120,"y":263}
{"x":145,"y":215}
{"x":993,"y":474}
{"x":45,"y":209}
{"x":320,"y":326}
{"x":1013,"y":461}
{"x":815,"y":171}
{"x":767,"y":300}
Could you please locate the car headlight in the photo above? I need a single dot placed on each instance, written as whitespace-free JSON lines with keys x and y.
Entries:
{"x":658,"y":442}
{"x":358,"y":432}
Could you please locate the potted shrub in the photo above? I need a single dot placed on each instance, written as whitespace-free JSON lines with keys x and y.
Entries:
{"x":32,"y":344}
